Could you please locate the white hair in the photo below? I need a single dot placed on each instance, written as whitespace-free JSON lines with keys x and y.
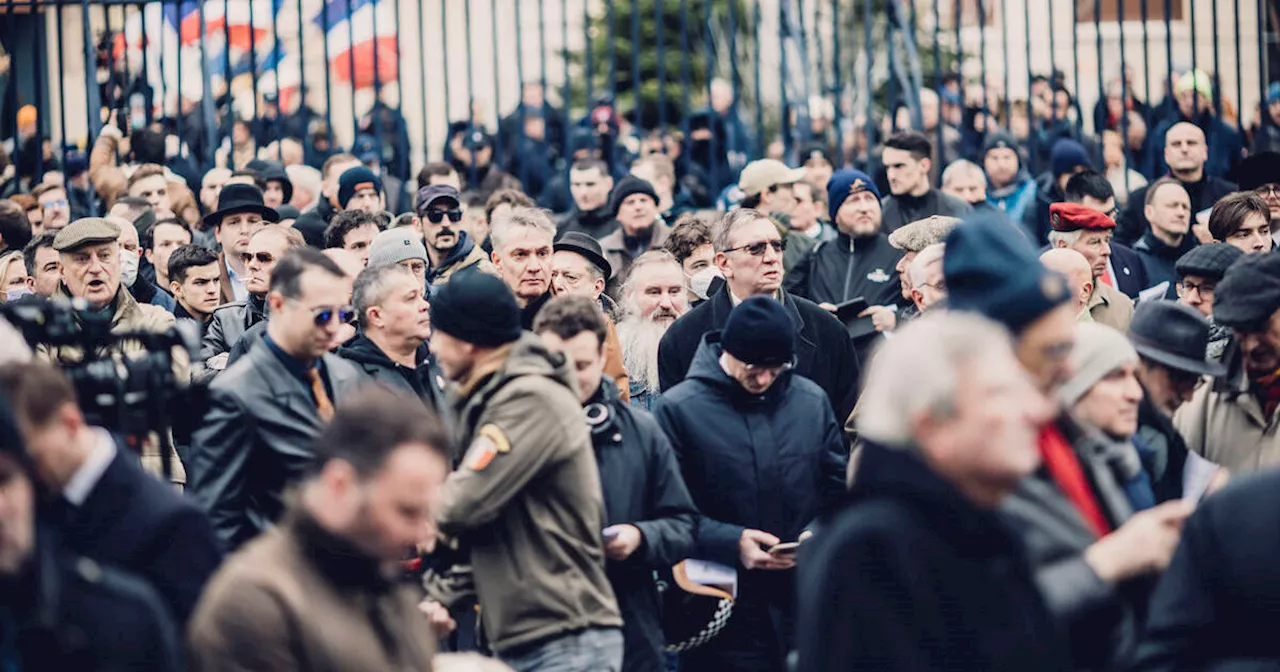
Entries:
{"x":961,"y":167}
{"x":917,"y":372}
{"x":927,"y":257}
{"x":305,"y":178}
{"x":1067,"y":238}
{"x":519,"y":217}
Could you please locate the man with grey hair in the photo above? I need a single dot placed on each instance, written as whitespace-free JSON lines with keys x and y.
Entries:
{"x":749,"y":256}
{"x":966,"y":181}
{"x":927,"y":284}
{"x":307,"y":183}
{"x":949,"y":420}
{"x":653,"y":298}
{"x":522,"y":247}
{"x":1087,"y":231}
{"x":391,"y":349}
{"x":911,"y":239}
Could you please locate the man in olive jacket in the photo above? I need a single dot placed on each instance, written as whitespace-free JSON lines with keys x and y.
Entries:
{"x":525,"y":497}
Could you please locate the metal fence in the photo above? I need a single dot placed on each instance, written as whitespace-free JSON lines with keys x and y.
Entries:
{"x":769,"y":77}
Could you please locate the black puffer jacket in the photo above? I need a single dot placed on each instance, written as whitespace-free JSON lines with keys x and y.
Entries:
{"x":768,"y":462}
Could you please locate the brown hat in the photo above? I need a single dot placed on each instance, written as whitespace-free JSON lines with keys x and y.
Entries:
{"x":86,"y":231}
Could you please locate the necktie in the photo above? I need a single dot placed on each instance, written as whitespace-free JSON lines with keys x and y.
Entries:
{"x":323,"y":405}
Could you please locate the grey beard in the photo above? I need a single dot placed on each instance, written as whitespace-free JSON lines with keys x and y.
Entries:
{"x":639,"y":339}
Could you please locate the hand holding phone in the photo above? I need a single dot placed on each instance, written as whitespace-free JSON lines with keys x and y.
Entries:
{"x":786,"y":549}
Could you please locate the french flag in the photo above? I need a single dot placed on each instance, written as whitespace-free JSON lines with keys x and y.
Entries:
{"x":351,"y":37}
{"x":245,"y":23}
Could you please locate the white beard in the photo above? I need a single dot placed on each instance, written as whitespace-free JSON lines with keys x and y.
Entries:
{"x":639,"y":339}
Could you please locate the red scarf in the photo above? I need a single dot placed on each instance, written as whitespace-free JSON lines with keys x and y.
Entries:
{"x":1064,"y":467}
{"x":1267,"y":390}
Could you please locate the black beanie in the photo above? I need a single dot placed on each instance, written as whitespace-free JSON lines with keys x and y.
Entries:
{"x":760,"y":332}
{"x":477,"y":308}
{"x":627,"y":186}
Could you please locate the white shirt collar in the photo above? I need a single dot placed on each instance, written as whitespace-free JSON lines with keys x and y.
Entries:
{"x":90,"y":472}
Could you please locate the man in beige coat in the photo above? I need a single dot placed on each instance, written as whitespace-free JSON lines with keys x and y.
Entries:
{"x":1234,"y":421}
{"x":319,"y":591}
{"x":1088,"y":232}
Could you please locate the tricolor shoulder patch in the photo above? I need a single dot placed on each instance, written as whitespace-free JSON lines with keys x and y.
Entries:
{"x":490,"y":442}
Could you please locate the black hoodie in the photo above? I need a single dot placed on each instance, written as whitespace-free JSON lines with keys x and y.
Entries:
{"x":597,"y":223}
{"x":425,"y":380}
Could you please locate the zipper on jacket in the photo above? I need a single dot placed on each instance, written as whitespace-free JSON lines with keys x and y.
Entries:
{"x":848,"y":273}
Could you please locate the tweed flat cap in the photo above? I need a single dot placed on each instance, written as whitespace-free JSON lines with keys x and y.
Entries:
{"x":1208,"y":261}
{"x":923,"y":232}
{"x":86,"y":231}
{"x":1249,"y":292}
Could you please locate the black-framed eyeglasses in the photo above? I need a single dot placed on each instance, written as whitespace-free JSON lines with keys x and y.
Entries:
{"x":262,"y":257}
{"x":1204,"y":289}
{"x":757,"y":249}
{"x":435,"y":216}
{"x":1272,"y":189}
{"x":324,"y":315}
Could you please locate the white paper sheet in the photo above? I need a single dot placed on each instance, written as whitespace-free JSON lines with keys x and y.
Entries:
{"x":707,"y":573}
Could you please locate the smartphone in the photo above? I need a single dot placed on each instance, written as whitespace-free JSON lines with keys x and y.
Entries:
{"x":785,"y":549}
{"x":850,"y":309}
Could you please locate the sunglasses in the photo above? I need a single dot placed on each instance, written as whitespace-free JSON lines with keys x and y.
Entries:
{"x":434,"y":216}
{"x":323,"y":316}
{"x":757,"y":249}
{"x":262,"y":257}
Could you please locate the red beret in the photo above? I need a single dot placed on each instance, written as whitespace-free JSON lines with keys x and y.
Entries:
{"x":1073,"y":217}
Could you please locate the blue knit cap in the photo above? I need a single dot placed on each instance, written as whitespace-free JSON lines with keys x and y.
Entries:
{"x":1066,"y":155}
{"x":991,"y":269}
{"x":843,"y":184}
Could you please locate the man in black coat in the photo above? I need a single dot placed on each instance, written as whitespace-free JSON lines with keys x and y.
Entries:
{"x":112,"y":511}
{"x":1185,"y":152}
{"x":590,"y":184}
{"x":763,"y":456}
{"x":391,"y":349}
{"x":62,"y":611}
{"x":1172,"y":341}
{"x":231,"y":320}
{"x":1217,"y":601}
{"x":749,"y":255}
{"x":649,"y":515}
{"x":265,"y":410}
{"x":860,"y":262}
{"x":908,"y":165}
{"x":917,"y":571}
{"x":313,"y":222}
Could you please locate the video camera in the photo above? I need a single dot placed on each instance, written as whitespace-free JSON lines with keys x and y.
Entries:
{"x":132,"y":395}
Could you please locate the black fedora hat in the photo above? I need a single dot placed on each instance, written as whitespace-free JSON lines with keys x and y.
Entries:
{"x":1169,"y":333}
{"x":237,"y":198}
{"x":581,"y":243}
{"x":1257,"y":170}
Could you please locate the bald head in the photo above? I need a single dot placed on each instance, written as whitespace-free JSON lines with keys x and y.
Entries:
{"x":1072,"y":264}
{"x":1185,"y":151}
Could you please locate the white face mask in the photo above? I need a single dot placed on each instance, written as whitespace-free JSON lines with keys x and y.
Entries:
{"x":15,"y":294}
{"x":128,"y":267}
{"x":700,"y":282}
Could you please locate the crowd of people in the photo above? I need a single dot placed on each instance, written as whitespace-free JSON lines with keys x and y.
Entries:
{"x":914,"y":410}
